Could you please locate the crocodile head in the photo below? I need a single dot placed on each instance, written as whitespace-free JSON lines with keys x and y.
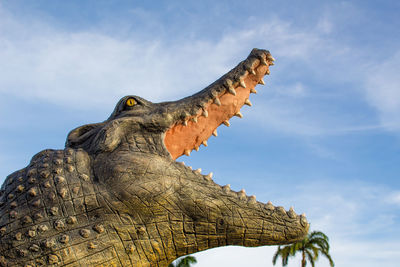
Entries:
{"x":178,"y":209}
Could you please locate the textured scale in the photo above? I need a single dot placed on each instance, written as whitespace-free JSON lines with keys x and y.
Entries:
{"x":56,"y":216}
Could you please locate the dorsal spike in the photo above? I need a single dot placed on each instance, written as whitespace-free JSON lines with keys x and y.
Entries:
{"x":209,"y":176}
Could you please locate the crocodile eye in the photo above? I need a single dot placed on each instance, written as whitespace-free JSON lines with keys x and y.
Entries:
{"x":130,"y":102}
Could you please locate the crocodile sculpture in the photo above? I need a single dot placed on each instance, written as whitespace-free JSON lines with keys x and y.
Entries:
{"x":115,"y":196}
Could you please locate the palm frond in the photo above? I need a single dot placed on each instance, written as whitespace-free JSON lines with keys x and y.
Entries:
{"x":316,"y":252}
{"x":314,"y":244}
{"x":328,"y":257}
{"x":275,"y":257}
{"x":318,"y":234}
{"x":321,"y":243}
{"x":186,"y":261}
{"x":310,"y":258}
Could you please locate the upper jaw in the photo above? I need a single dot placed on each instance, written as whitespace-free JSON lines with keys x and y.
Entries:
{"x":195,"y":118}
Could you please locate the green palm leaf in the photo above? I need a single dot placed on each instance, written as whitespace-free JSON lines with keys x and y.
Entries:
{"x":311,"y":247}
{"x":310,"y":258}
{"x":184,"y":262}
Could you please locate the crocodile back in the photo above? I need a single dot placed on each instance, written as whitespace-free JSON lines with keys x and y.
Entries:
{"x":50,"y":214}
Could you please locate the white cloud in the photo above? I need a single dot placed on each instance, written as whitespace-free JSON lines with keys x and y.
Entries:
{"x":348,"y":212}
{"x":325,"y":25}
{"x":393,"y":198}
{"x":383,"y":90}
{"x":60,"y":66}
{"x":92,"y":69}
{"x":296,"y":89}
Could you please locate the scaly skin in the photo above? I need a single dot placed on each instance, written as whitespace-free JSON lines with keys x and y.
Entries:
{"x":115,"y":196}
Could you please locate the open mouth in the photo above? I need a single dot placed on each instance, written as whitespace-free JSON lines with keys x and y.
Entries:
{"x":217,"y":107}
{"x":214,"y":106}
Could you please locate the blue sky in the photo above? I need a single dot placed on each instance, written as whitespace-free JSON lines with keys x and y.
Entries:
{"x":322,"y":135}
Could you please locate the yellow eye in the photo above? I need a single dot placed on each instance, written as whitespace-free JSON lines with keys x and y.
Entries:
{"x":130,"y":102}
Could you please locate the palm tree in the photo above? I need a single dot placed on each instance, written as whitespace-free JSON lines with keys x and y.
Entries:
{"x":316,"y":242}
{"x":184,"y":262}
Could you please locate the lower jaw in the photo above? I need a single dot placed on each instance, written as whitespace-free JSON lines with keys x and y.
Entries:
{"x":242,"y":237}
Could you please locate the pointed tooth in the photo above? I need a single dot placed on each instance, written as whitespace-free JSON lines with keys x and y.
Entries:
{"x":198,"y":171}
{"x":209,"y":176}
{"x":215,"y":133}
{"x":291,"y":209}
{"x":204,"y":143}
{"x":187,"y":152}
{"x":205,"y":113}
{"x":271,"y":63}
{"x":231,"y":90}
{"x":267,"y":72}
{"x":214,"y":93}
{"x":239,"y":114}
{"x":196,"y":148}
{"x":247,"y":102}
{"x":254,"y":91}
{"x":183,"y":163}
{"x":249,"y":68}
{"x":184,"y":123}
{"x":263,"y":61}
{"x":194,"y":119}
{"x":226,"y":188}
{"x":226,"y":122}
{"x":261,"y":82}
{"x":271,"y":58}
{"x":229,"y":85}
{"x":252,"y":199}
{"x":217,"y":102}
{"x":242,"y":83}
{"x":185,"y":115}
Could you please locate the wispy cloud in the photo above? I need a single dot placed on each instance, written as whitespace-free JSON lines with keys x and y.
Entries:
{"x":383,"y":90}
{"x":350,"y":213}
{"x":393,"y":198}
{"x":70,"y":68}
